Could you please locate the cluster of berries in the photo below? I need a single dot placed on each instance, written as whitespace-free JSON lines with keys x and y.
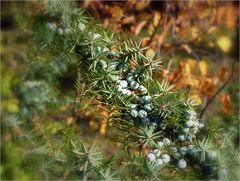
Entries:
{"x":190,"y":127}
{"x":60,"y":29}
{"x":159,"y":155}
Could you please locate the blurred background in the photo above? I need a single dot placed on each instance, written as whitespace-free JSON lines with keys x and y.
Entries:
{"x":198,"y":42}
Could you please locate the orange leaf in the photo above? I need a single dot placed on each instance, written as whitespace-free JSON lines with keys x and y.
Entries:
{"x":225,"y":100}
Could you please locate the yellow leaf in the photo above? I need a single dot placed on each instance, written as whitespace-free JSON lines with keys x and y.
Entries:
{"x":150,"y":52}
{"x":193,"y":82}
{"x":187,"y":68}
{"x":224,"y":43}
{"x":103,"y":128}
{"x":192,"y":63}
{"x":117,"y":12}
{"x":197,"y":98}
{"x":142,"y":4}
{"x":156,"y":18}
{"x":203,"y":66}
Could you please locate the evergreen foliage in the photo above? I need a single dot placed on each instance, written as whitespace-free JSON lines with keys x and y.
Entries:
{"x":157,"y":128}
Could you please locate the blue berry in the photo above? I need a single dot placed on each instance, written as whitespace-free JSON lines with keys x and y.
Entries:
{"x":151,"y":157}
{"x":182,"y":137}
{"x":189,"y":123}
{"x":142,"y":89}
{"x":133,"y":106}
{"x":182,"y":164}
{"x":211,"y":155}
{"x":126,"y":92}
{"x":183,"y":150}
{"x":165,"y":158}
{"x":148,"y":107}
{"x":166,"y":141}
{"x":51,"y":26}
{"x":200,"y":125}
{"x":157,"y":152}
{"x":173,"y":149}
{"x":146,"y":99}
{"x":130,"y":77}
{"x":193,"y":130}
{"x":60,"y":31}
{"x":185,"y":130}
{"x":119,"y":88}
{"x":160,"y":144}
{"x":142,"y":114}
{"x":134,"y":85}
{"x":134,"y":113}
{"x":145,"y":121}
{"x":159,"y":162}
{"x":123,"y":83}
{"x":81,"y":26}
{"x":153,"y":124}
{"x":177,"y":155}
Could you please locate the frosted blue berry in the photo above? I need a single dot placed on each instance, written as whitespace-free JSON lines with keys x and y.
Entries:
{"x":165,"y":158}
{"x":142,"y":89}
{"x":133,"y":106}
{"x":160,"y":144}
{"x":195,"y":124}
{"x":151,"y":157}
{"x":148,"y":107}
{"x":134,"y":85}
{"x":157,"y":152}
{"x":123,"y":67}
{"x":123,"y":83}
{"x":200,"y":125}
{"x":119,"y":88}
{"x":166,"y":141}
{"x":189,"y":123}
{"x":182,"y":164}
{"x":185,"y":130}
{"x":130,"y":77}
{"x":81,"y":26}
{"x":142,"y":114}
{"x":126,"y":92}
{"x":162,"y":126}
{"x":211,"y":155}
{"x":159,"y":162}
{"x":191,"y":146}
{"x":181,"y":137}
{"x":173,"y":149}
{"x":153,"y":124}
{"x":60,"y":31}
{"x":193,"y":130}
{"x":51,"y":26}
{"x":145,"y":99}
{"x":183,"y":150}
{"x":134,"y":113}
{"x":145,"y":121}
{"x":177,"y":155}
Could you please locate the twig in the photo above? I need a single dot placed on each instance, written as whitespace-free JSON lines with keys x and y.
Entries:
{"x":210,"y":100}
